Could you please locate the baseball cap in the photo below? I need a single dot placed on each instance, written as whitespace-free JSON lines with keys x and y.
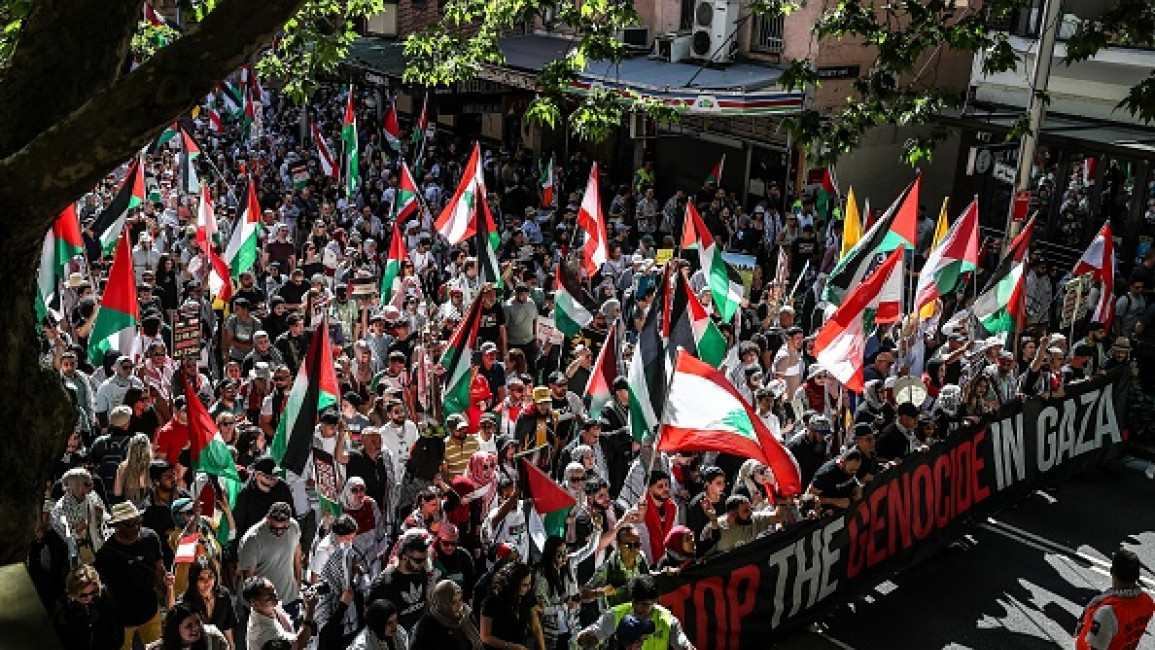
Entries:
{"x":280,"y":511}
{"x":821,"y":423}
{"x":542,"y":394}
{"x":632,"y":629}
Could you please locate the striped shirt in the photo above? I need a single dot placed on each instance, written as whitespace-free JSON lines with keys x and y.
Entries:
{"x":458,"y":453}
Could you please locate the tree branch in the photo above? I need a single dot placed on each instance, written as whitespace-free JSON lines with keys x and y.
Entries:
{"x":65,"y":52}
{"x":68,"y":159}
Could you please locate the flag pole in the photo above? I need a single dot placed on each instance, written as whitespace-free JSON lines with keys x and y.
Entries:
{"x":665,"y":404}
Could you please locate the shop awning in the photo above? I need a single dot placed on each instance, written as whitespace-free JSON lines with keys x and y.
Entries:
{"x":736,"y":89}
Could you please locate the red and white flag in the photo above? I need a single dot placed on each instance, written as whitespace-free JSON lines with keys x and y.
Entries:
{"x":328,"y":166}
{"x":186,"y":550}
{"x":591,"y":220}
{"x":1099,"y":261}
{"x":456,"y":220}
{"x":841,"y":341}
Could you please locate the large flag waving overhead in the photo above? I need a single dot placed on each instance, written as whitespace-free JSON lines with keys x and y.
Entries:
{"x":897,"y":228}
{"x":458,"y":361}
{"x":725,"y":284}
{"x":647,"y":376}
{"x":119,"y":314}
{"x":352,"y":154}
{"x":851,"y":225}
{"x":957,"y":253}
{"x":110,"y":222}
{"x":600,"y":385}
{"x":593,"y":223}
{"x":314,"y":390}
{"x":840,"y":343}
{"x":244,"y":245}
{"x":393,"y":263}
{"x":208,"y":451}
{"x":328,"y":163}
{"x":573,"y":306}
{"x":485,"y":242}
{"x":551,"y":504}
{"x":688,"y":325}
{"x":61,"y":244}
{"x":705,"y":413}
{"x":1099,"y":261}
{"x":707,"y":337}
{"x":405,"y":200}
{"x":1002,"y":305}
{"x":456,"y":220}
{"x":715,"y":175}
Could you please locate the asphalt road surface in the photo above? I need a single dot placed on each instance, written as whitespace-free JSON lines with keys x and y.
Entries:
{"x":1018,"y":581}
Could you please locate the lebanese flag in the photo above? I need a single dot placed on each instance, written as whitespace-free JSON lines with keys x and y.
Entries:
{"x":456,"y":220}
{"x":591,"y":221}
{"x":314,"y":390}
{"x":457,"y":360}
{"x":715,"y":175}
{"x":405,"y":201}
{"x":208,"y":239}
{"x":328,"y":164}
{"x":208,"y":451}
{"x":704,"y":412}
{"x":392,"y":270}
{"x":841,"y":341}
{"x":957,"y":253}
{"x":244,"y":246}
{"x":1002,"y":305}
{"x":119,"y":313}
{"x":391,"y":129}
{"x":599,"y":387}
{"x":1099,"y":261}
{"x":186,"y":550}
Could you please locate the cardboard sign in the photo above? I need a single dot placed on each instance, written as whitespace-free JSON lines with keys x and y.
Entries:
{"x":1075,"y":299}
{"x":325,"y":476}
{"x":547,"y":331}
{"x":663,"y":255}
{"x":186,"y":336}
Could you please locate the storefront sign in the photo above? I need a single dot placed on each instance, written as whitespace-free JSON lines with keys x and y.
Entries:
{"x":508,"y":77}
{"x":743,"y":599}
{"x":839,"y":72}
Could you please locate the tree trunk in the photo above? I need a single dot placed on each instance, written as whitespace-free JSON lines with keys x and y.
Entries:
{"x":34,"y":404}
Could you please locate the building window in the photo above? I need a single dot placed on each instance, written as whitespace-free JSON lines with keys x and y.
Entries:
{"x":768,"y":32}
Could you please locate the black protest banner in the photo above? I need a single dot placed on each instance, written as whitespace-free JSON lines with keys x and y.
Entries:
{"x":745,"y":597}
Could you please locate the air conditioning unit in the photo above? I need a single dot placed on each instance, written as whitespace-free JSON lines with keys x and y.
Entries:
{"x":715,"y":22}
{"x":673,"y":47}
{"x":635,"y":38}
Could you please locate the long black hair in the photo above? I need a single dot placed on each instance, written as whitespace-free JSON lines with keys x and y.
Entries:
{"x":547,"y":566}
{"x":170,"y":636}
{"x":192,"y":593}
{"x":506,"y":583}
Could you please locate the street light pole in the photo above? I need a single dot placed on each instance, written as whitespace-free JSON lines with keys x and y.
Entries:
{"x":1036,"y":109}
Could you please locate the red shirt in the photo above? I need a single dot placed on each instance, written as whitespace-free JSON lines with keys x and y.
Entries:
{"x":171,"y":439}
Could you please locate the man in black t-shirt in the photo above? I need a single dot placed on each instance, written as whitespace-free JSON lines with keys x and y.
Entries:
{"x":834,"y":483}
{"x":405,"y":584}
{"x":491,"y":320}
{"x":130,"y":566}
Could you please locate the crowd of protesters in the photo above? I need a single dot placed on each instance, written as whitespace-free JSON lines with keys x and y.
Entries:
{"x":434,"y":547}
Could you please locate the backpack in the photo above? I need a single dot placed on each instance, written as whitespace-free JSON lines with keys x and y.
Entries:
{"x":117,"y":450}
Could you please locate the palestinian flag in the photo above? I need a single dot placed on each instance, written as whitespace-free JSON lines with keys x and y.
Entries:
{"x":1002,"y":305}
{"x":352,"y":153}
{"x":61,"y":244}
{"x":486,"y":239}
{"x":591,"y":221}
{"x":897,"y":228}
{"x":232,"y":99}
{"x":456,"y":220}
{"x":245,"y":246}
{"x":109,"y":223}
{"x":573,"y":306}
{"x":851,"y":225}
{"x":393,"y":263}
{"x":171,"y":131}
{"x":405,"y":202}
{"x":314,"y":390}
{"x":249,"y":117}
{"x":840,"y":343}
{"x":956,"y":252}
{"x":647,"y":376}
{"x":551,"y":504}
{"x":1099,"y":261}
{"x":391,"y":129}
{"x":548,"y":182}
{"x":189,"y":183}
{"x":422,"y":123}
{"x":940,"y":229}
{"x":208,"y":239}
{"x":715,"y":176}
{"x":208,"y":451}
{"x":725,"y":284}
{"x":600,"y":386}
{"x":328,"y":165}
{"x":704,"y":412}
{"x":119,"y":314}
{"x":458,"y":362}
{"x":827,"y":198}
{"x":708,"y":338}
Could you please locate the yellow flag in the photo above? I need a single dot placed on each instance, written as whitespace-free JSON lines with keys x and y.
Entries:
{"x":851,"y":225}
{"x":939,"y":232}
